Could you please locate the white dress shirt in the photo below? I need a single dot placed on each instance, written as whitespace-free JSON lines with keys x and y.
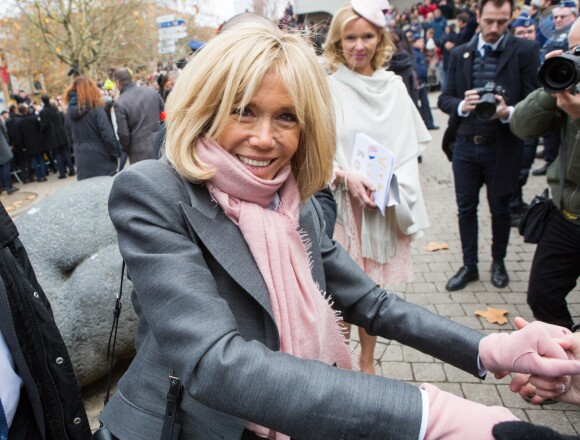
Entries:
{"x":10,"y":382}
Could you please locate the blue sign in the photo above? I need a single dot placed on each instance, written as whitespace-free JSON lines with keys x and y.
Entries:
{"x":170,"y":24}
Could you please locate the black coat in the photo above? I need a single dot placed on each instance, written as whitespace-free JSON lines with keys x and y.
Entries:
{"x":52,"y":127}
{"x":12,"y":130}
{"x":517,"y":74}
{"x":29,"y":137}
{"x":93,"y":140}
{"x":27,"y":323}
{"x":402,"y":64}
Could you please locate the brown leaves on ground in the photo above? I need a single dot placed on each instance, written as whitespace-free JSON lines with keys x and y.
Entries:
{"x":434,"y":246}
{"x":493,"y":315}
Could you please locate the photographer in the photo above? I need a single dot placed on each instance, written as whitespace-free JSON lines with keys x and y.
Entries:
{"x":485,"y":151}
{"x":556,"y":264}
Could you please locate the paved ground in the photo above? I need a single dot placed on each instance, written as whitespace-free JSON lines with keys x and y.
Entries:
{"x":432,"y":269}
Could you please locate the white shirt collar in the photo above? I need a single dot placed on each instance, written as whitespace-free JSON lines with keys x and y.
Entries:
{"x":481,"y":43}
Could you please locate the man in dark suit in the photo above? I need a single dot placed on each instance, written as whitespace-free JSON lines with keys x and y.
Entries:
{"x":485,"y":150}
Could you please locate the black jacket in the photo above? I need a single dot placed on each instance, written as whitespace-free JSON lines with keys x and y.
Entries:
{"x":40,"y":355}
{"x":517,"y":74}
{"x":29,"y":137}
{"x":52,"y":127}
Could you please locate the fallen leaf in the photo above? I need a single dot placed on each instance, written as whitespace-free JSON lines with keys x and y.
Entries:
{"x":434,"y":246}
{"x":493,"y":315}
{"x":31,"y":197}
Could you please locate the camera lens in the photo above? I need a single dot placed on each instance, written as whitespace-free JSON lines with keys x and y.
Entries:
{"x":560,"y":75}
{"x":487,"y":106}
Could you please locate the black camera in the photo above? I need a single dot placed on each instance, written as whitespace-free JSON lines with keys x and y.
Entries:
{"x":561,"y":72}
{"x":487,"y":105}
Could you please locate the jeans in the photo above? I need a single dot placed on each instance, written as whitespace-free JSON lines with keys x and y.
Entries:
{"x":529,"y":153}
{"x":425,"y":109}
{"x":551,"y":146}
{"x":39,"y":166}
{"x":555,"y":270}
{"x":473,"y":166}
{"x":6,"y":176}
{"x":63,"y":159}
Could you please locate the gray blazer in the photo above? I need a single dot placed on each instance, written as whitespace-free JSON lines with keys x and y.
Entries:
{"x":205,"y":316}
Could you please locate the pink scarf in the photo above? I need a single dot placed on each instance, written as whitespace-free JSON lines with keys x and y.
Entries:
{"x":280,"y":250}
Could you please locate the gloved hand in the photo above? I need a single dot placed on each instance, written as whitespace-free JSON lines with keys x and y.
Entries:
{"x":455,"y":418}
{"x":527,"y":431}
{"x":533,"y":349}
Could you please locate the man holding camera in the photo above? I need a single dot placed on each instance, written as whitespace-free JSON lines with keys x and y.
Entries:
{"x":556,"y":264}
{"x":494,"y":64}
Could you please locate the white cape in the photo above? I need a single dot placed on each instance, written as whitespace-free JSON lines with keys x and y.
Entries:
{"x":380,"y":106}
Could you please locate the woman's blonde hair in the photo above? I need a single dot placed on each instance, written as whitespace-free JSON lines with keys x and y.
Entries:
{"x":333,"y":48}
{"x":225,"y":74}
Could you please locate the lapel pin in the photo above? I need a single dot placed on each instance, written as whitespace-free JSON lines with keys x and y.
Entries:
{"x":466,"y":55}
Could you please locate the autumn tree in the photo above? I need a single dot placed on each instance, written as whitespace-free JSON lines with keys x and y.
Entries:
{"x":83,"y":33}
{"x":47,"y":37}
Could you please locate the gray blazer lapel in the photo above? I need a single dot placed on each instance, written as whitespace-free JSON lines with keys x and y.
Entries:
{"x":225,"y":242}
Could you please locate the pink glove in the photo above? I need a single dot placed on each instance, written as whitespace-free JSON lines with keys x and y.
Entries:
{"x":452,"y":417}
{"x":533,"y":349}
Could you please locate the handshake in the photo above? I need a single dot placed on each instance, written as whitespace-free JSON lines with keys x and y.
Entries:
{"x":546,"y":360}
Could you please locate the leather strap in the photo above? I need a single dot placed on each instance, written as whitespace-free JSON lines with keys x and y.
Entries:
{"x":173,"y":398}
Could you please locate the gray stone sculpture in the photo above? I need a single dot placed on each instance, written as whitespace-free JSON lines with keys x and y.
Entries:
{"x":72,"y":245}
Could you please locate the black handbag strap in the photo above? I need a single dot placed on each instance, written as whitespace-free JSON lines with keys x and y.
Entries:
{"x":175,"y":386}
{"x":113,"y":334}
{"x":173,"y":398}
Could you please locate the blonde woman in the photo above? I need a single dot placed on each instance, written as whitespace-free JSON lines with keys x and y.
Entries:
{"x":370,"y":100}
{"x":232,"y":271}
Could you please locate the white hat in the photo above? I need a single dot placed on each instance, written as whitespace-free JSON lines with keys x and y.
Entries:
{"x":370,"y":11}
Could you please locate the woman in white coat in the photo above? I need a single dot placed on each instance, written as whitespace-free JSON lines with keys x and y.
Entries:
{"x":373,"y":101}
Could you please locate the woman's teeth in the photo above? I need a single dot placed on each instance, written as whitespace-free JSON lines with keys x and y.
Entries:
{"x":254,"y":163}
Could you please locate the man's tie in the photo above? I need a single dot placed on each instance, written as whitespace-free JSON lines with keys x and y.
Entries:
{"x":3,"y":423}
{"x":486,"y":50}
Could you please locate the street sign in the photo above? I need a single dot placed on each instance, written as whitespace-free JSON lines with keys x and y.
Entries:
{"x":166,"y":43}
{"x":175,"y":34}
{"x":164,"y":18}
{"x":170,"y":24}
{"x":171,"y":30}
{"x":167,"y":50}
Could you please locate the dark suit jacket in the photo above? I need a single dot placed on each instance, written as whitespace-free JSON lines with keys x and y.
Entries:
{"x":205,"y":316}
{"x":517,"y":74}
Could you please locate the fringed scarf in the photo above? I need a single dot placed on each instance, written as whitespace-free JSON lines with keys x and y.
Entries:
{"x":306,"y":323}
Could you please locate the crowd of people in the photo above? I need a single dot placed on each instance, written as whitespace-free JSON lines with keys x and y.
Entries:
{"x":253,"y":243}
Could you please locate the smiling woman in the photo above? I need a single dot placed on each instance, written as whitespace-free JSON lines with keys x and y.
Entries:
{"x":370,"y":100}
{"x":233,"y":273}
{"x":264,"y":135}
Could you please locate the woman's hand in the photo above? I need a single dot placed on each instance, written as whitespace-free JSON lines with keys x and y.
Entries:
{"x":534,"y":349}
{"x":564,"y":389}
{"x":361,"y":190}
